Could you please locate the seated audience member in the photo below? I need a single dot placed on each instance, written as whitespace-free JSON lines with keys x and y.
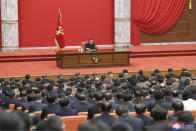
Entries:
{"x":90,"y":46}
{"x":108,"y":97}
{"x":160,"y":123}
{"x":170,"y":74}
{"x":22,"y":100}
{"x":93,"y":125}
{"x":83,"y":105}
{"x":53,"y":123}
{"x":178,"y":108}
{"x":96,"y":108}
{"x":125,"y":73}
{"x":138,"y":97}
{"x":91,"y":98}
{"x":127,"y":97}
{"x":188,"y":102}
{"x":188,"y":120}
{"x":141,"y":76}
{"x":30,"y":99}
{"x":119,"y":98}
{"x":9,"y":99}
{"x":106,"y":108}
{"x":121,"y":126}
{"x":65,"y":108}
{"x":159,"y":96}
{"x":123,"y":114}
{"x":51,"y":108}
{"x":175,"y":96}
{"x":140,"y":110}
{"x":168,"y":93}
{"x":37,"y":105}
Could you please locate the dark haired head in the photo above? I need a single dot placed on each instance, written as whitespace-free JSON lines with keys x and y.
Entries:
{"x":177,"y":106}
{"x":140,"y":108}
{"x":158,"y":95}
{"x":106,"y":107}
{"x":99,"y":96}
{"x":108,"y":96}
{"x":175,"y":93}
{"x":186,"y":117}
{"x":140,"y":72}
{"x":186,"y":95}
{"x":159,"y":113}
{"x":93,"y":125}
{"x":122,"y":110}
{"x":127,"y":97}
{"x":81,"y":97}
{"x":125,"y":71}
{"x":51,"y":98}
{"x":64,"y":102}
{"x":121,"y":126}
{"x":27,"y":77}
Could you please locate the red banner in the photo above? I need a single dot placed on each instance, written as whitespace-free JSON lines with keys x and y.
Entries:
{"x":59,"y":39}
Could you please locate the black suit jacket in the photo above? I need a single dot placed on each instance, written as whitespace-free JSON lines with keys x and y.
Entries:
{"x":37,"y":106}
{"x":93,"y":110}
{"x":147,"y":120}
{"x":50,"y":109}
{"x":67,"y":112}
{"x":159,"y":126}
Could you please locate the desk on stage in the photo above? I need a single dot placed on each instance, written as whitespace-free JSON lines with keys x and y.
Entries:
{"x":101,"y":58}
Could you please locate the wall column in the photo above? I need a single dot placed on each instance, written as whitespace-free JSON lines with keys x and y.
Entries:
{"x":9,"y":25}
{"x":122,"y":22}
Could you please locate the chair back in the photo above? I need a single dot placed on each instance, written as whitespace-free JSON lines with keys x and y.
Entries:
{"x":72,"y":122}
{"x":11,"y":107}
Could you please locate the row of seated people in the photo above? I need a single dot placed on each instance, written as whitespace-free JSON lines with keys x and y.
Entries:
{"x":56,"y":96}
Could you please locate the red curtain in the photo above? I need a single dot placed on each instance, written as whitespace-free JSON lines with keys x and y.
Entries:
{"x":153,"y":16}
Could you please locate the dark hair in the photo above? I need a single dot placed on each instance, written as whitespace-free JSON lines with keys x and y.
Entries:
{"x":158,"y":113}
{"x":167,"y":92}
{"x":140,"y":108}
{"x":99,"y":96}
{"x":53,"y":123}
{"x":137,"y":93}
{"x":108,"y":96}
{"x":27,"y":77}
{"x":64,"y":102}
{"x":121,"y":126}
{"x":186,"y":95}
{"x":121,"y":110}
{"x":106,"y":107}
{"x":11,"y":121}
{"x":178,"y":106}
{"x":140,"y":72}
{"x":81,"y":97}
{"x":51,"y":98}
{"x":31,"y":98}
{"x":125,"y":71}
{"x":127,"y":97}
{"x":175,"y":93}
{"x":93,"y":125}
{"x":119,"y":95}
{"x":186,"y":117}
{"x":23,"y":93}
{"x":158,"y":95}
{"x":26,"y":120}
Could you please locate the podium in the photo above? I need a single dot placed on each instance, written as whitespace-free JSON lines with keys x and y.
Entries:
{"x":101,"y":58}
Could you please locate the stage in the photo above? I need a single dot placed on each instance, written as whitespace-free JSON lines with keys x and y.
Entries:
{"x":38,"y":62}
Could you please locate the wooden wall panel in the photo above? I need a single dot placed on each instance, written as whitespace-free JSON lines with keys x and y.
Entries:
{"x":183,"y":31}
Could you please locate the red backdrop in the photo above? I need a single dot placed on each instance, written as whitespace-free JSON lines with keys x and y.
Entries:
{"x":82,"y":19}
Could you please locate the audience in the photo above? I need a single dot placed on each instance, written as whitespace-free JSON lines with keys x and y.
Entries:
{"x":100,"y":94}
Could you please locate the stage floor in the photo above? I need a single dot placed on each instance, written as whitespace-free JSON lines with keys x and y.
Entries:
{"x":50,"y":68}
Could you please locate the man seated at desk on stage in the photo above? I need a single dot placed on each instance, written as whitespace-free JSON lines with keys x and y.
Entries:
{"x":90,"y":46}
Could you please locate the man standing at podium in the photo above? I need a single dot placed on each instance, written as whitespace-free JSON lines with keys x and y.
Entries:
{"x":90,"y":46}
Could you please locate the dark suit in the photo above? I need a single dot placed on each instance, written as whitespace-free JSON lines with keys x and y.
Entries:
{"x":93,"y":110}
{"x":174,"y":117}
{"x":135,"y":123}
{"x":20,"y":102}
{"x":37,"y":106}
{"x":83,"y":106}
{"x":147,"y":120}
{"x":130,"y":106}
{"x":67,"y":112}
{"x":50,"y":109}
{"x":107,"y":118}
{"x":25,"y":106}
{"x":159,"y":126}
{"x":163,"y":104}
{"x":90,"y":46}
{"x":7,"y":101}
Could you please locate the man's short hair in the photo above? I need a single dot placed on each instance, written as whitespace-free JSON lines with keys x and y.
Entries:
{"x":93,"y":125}
{"x":81,"y":97}
{"x":106,"y":107}
{"x":64,"y":102}
{"x":178,"y":106}
{"x":121,"y":110}
{"x":140,"y":108}
{"x":108,"y":96}
{"x":51,"y":98}
{"x":186,"y":117}
{"x":159,"y":113}
{"x":99,"y":96}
